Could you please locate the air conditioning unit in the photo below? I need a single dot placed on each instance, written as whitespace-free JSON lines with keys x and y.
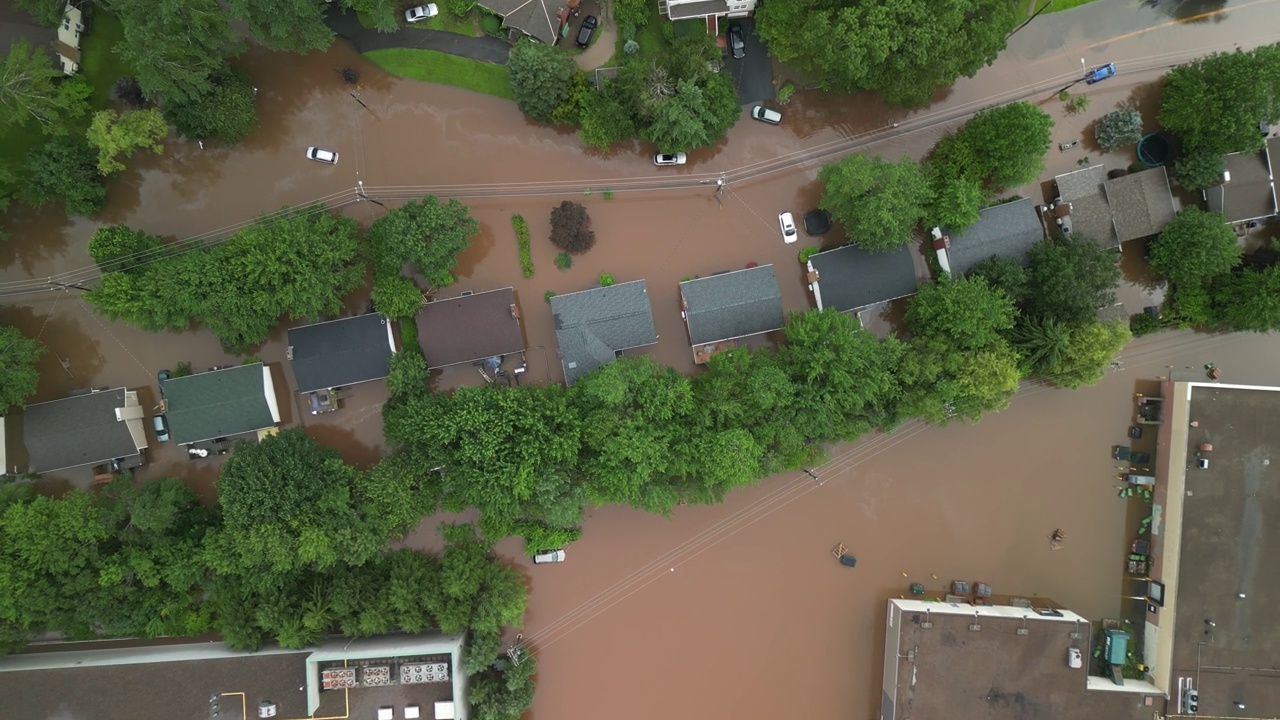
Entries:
{"x":1191,"y":701}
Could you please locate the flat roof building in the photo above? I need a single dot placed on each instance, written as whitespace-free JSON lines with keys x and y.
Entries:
{"x":729,"y":306}
{"x":850,"y":278}
{"x":221,"y":403}
{"x":470,"y":327}
{"x":87,"y":429}
{"x":594,"y":327}
{"x":339,"y":353}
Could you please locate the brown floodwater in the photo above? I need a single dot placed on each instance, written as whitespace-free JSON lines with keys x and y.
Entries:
{"x":736,"y":610}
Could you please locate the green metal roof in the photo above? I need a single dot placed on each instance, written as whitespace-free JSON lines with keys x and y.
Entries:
{"x":221,"y":403}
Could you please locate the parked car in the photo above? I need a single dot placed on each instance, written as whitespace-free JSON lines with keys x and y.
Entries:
{"x":549,"y":556}
{"x":161,"y":425}
{"x":584,"y":33}
{"x":764,"y":114}
{"x":320,"y":154}
{"x":665,"y":159}
{"x":737,"y":46}
{"x":162,"y":377}
{"x":1100,"y":73}
{"x":788,"y":226}
{"x":421,"y":12}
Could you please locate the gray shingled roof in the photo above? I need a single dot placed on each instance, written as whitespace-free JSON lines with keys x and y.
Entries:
{"x":1008,"y":230}
{"x":593,"y":325}
{"x":470,"y":327}
{"x":220,"y":403}
{"x":850,"y":278}
{"x":536,"y":18}
{"x":1141,"y":203}
{"x":341,"y":352}
{"x":1090,"y":210}
{"x":75,"y":431}
{"x":1250,"y":194}
{"x":732,"y":305}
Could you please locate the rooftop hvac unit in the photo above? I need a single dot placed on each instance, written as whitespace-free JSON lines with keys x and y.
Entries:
{"x":267,"y":709}
{"x":1191,"y":702}
{"x":376,"y":676}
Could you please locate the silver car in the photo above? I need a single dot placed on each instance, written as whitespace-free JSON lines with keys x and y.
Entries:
{"x":670,"y":159}
{"x":765,"y":115}
{"x":549,"y":556}
{"x":421,"y":12}
{"x":320,"y":154}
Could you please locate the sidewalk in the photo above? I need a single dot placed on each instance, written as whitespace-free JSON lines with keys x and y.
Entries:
{"x":485,"y":49}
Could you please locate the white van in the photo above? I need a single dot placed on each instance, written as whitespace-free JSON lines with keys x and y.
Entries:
{"x":549,"y":556}
{"x":764,"y":114}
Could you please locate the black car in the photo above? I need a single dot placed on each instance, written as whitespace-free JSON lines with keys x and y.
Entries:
{"x":584,"y":34}
{"x":736,"y":45}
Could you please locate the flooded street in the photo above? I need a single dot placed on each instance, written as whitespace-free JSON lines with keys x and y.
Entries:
{"x":732,"y":611}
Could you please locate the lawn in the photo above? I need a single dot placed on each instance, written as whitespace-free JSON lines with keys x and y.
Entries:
{"x":1060,"y":5}
{"x":652,"y":42}
{"x":436,"y":67}
{"x":445,"y":21}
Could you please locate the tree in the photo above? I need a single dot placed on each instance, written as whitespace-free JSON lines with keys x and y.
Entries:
{"x":427,"y":233}
{"x":633,"y":14}
{"x":966,"y":313}
{"x":115,"y":134}
{"x":288,"y":504}
{"x":32,"y":88}
{"x":1087,"y":352}
{"x":1118,"y":128}
{"x":396,"y":494}
{"x":569,"y":229}
{"x":954,"y":200}
{"x":66,"y":168}
{"x":751,"y":389}
{"x":285,"y":25}
{"x":695,"y":116}
{"x":18,"y":374}
{"x":605,"y":119}
{"x":1070,"y":278}
{"x":1000,"y":147}
{"x":1247,"y":300}
{"x":1005,"y":274}
{"x":226,"y":113}
{"x":383,"y":15}
{"x":1199,"y":169}
{"x":1194,"y":247}
{"x":128,"y":91}
{"x":877,"y":202}
{"x":904,"y":50}
{"x":397,"y":296}
{"x":541,"y":78}
{"x":46,"y":12}
{"x":941,"y":383}
{"x":117,"y":248}
{"x":1214,"y":104}
{"x":175,"y":46}
{"x":505,"y":690}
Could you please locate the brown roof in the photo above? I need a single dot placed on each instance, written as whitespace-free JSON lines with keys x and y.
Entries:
{"x":470,"y":327}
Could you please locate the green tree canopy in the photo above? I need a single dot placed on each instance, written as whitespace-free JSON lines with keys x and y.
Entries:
{"x":605,"y":118}
{"x":18,"y":374}
{"x":1005,"y":274}
{"x":541,"y":78}
{"x":696,"y":115}
{"x":118,"y":248}
{"x":905,"y":50}
{"x":175,"y":46}
{"x":1077,"y":355}
{"x":966,"y":313}
{"x":397,"y":296}
{"x":941,"y":383}
{"x":116,"y":134}
{"x":1000,"y":147}
{"x":1070,"y":278}
{"x":32,"y":88}
{"x":503,"y":691}
{"x":1195,"y":246}
{"x":46,"y":12}
{"x":1198,"y":169}
{"x":878,"y":202}
{"x":1248,"y":300}
{"x":1214,"y":104}
{"x":65,"y":168}
{"x":427,"y":233}
{"x":384,"y":15}
{"x":751,"y":389}
{"x":1118,"y":128}
{"x":226,"y":113}
{"x":285,"y":25}
{"x":954,"y":200}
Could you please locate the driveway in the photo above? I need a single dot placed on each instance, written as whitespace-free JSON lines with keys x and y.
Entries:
{"x":486,"y":49}
{"x":753,"y":74}
{"x":602,"y":48}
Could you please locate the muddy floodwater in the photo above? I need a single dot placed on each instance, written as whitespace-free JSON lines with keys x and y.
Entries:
{"x":732,"y":611}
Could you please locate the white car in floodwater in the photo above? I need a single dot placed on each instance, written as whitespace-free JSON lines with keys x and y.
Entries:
{"x":320,"y":154}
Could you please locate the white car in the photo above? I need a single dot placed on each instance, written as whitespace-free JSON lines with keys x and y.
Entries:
{"x":422,"y":12}
{"x":549,"y":556}
{"x":665,"y":159}
{"x":320,"y":154}
{"x":788,"y":226}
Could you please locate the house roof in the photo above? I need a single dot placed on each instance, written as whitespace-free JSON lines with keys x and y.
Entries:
{"x":341,"y":352}
{"x":685,"y":9}
{"x":593,"y":325}
{"x":470,"y":327}
{"x":1251,"y":193}
{"x":535,"y":18}
{"x":1118,"y":210}
{"x":1008,"y":230}
{"x":221,"y":403}
{"x":732,"y":305}
{"x":850,"y":278}
{"x":80,"y":430}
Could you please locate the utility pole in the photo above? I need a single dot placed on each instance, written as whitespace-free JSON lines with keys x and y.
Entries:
{"x":1043,"y":7}
{"x":361,"y":194}
{"x":65,"y":286}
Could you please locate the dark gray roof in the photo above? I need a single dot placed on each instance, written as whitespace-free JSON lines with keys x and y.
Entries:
{"x":536,"y":18}
{"x":593,"y":325}
{"x":1250,"y":194}
{"x":1141,"y":203}
{"x":700,"y":8}
{"x":221,"y":403}
{"x":850,"y":278}
{"x":80,"y":430}
{"x":732,"y":305}
{"x":341,"y":352}
{"x":1008,"y":230}
{"x":470,"y":327}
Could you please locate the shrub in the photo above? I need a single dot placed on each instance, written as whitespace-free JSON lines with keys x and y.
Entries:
{"x":607,"y":193}
{"x":569,"y":230}
{"x":128,"y":91}
{"x":606,"y":280}
{"x":541,"y":538}
{"x":1143,"y":324}
{"x":1118,"y":128}
{"x":564,"y":260}
{"x":1079,"y":103}
{"x":806,"y":253}
{"x":548,"y":295}
{"x":461,"y":7}
{"x":1064,"y":96}
{"x":522,"y":237}
{"x":631,"y":47}
{"x":785,"y":92}
{"x":182,"y":369}
{"x":397,"y":296}
{"x":491,"y":24}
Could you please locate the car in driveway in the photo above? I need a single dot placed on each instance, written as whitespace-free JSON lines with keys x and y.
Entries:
{"x":421,"y":12}
{"x":670,"y":159}
{"x":161,"y":425}
{"x":584,"y":33}
{"x":787,"y":224}
{"x":737,"y":46}
{"x":765,"y":115}
{"x":1100,"y":73}
{"x":320,"y":154}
